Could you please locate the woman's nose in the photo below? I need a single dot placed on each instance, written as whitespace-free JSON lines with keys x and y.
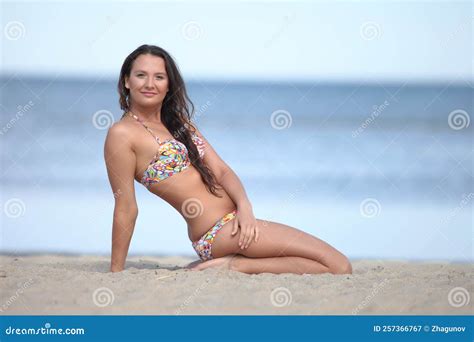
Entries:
{"x":149,"y":83}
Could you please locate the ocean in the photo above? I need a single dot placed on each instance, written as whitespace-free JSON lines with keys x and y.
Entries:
{"x":378,"y":170}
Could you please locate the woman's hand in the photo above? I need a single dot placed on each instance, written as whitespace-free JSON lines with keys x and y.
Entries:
{"x":248,"y":226}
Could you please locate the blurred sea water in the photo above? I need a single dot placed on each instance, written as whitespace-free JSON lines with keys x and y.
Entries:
{"x":377,"y":170}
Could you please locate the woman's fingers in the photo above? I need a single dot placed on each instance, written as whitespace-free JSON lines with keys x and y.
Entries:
{"x":245,"y":237}
{"x":235,"y":226}
{"x":251,"y":232}
{"x":250,"y":237}
{"x":248,"y":233}
{"x":243,"y":234}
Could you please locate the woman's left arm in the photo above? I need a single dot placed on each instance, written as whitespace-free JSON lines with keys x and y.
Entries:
{"x":231,"y":183}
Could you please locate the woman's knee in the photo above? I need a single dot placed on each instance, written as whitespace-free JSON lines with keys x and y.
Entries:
{"x":342,"y":266}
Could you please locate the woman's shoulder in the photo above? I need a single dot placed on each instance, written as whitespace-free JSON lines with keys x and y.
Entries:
{"x":124,"y":123}
{"x":121,"y":128}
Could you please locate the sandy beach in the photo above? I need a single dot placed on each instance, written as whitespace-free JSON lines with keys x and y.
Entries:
{"x":80,"y":285}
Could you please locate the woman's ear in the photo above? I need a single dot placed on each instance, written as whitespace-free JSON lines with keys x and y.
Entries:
{"x":126,"y":83}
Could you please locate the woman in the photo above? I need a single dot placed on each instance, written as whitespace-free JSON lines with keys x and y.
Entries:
{"x":156,"y":144}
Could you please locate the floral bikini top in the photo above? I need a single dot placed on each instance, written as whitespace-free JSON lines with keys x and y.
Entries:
{"x":172,"y":157}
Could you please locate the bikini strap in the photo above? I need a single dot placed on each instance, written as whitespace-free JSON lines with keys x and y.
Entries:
{"x":147,"y":128}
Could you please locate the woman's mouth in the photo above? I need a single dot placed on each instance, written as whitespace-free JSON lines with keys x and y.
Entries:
{"x":148,"y":94}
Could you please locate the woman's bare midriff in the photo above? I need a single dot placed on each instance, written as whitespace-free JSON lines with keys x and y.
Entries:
{"x":187,"y":193}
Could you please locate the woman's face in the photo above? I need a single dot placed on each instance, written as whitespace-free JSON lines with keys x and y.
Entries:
{"x":148,"y":81}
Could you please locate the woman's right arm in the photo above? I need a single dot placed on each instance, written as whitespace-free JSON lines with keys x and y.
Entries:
{"x":120,"y":161}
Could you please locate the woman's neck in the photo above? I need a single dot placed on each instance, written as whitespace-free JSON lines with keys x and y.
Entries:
{"x":147,"y":114}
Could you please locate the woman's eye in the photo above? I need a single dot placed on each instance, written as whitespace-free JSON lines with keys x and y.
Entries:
{"x":158,"y":77}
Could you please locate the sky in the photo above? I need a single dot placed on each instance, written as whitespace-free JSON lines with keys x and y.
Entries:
{"x":264,"y":40}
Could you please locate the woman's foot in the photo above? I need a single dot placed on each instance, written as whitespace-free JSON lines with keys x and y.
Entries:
{"x":193,"y":264}
{"x":227,"y":262}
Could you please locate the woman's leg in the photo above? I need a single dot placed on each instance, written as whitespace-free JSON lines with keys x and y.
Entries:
{"x":278,"y":240}
{"x":277,"y":265}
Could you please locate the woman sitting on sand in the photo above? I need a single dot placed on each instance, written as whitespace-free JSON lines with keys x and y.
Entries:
{"x":156,"y":144}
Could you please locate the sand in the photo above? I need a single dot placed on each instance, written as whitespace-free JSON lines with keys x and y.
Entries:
{"x":82,"y":285}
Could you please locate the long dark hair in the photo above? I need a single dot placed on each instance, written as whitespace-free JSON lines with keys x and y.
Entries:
{"x":176,"y":111}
